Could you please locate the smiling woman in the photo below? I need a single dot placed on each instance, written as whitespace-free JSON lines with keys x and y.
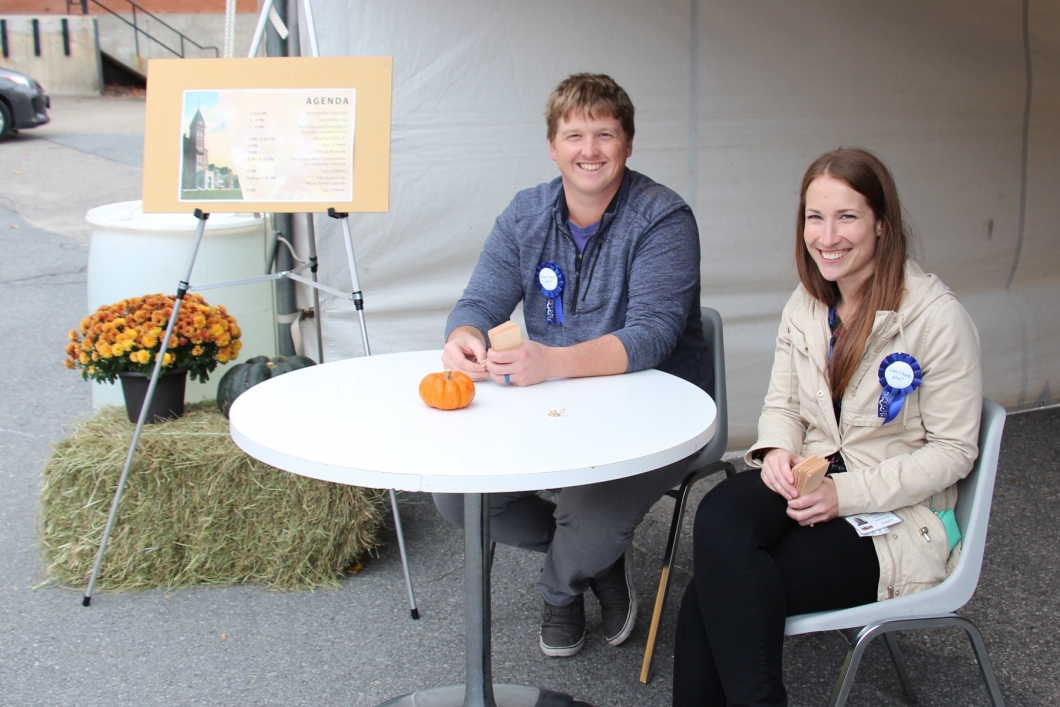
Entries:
{"x":877,"y":371}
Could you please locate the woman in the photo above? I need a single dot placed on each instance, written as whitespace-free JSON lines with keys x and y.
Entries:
{"x":877,"y":370}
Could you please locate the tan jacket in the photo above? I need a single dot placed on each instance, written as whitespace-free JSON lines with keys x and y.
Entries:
{"x":909,"y":465}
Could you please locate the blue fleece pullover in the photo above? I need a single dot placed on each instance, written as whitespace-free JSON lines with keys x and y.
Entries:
{"x":638,"y":277}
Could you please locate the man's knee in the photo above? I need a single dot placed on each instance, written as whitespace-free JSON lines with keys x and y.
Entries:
{"x":451,"y":506}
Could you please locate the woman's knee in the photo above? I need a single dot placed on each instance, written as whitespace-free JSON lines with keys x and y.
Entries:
{"x":728,"y":502}
{"x":740,"y":507}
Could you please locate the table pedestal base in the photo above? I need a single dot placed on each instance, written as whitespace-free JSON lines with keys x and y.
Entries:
{"x":505,"y":696}
{"x":479,"y":690}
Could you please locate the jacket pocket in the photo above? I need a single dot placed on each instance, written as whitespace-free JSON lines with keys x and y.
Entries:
{"x":921,"y":550}
{"x":867,"y":417}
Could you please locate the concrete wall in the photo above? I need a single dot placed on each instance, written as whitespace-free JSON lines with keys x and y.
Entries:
{"x":78,"y":74}
{"x":119,"y":39}
{"x":58,"y":7}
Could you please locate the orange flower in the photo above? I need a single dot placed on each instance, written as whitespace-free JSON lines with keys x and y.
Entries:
{"x":127,"y":335}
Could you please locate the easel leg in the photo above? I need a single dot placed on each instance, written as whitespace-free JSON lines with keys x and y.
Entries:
{"x":182,"y":289}
{"x":358,"y":302}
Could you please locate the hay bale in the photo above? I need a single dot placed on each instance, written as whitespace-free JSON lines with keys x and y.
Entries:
{"x":196,"y":510}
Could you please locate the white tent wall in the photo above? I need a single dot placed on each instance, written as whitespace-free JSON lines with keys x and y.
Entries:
{"x":733,"y":100}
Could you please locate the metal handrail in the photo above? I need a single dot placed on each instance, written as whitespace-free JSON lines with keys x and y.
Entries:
{"x":137,"y":31}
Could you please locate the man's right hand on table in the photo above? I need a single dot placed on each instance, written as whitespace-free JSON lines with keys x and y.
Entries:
{"x":465,"y":352}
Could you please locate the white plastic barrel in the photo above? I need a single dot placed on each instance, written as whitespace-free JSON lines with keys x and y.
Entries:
{"x":134,"y":254}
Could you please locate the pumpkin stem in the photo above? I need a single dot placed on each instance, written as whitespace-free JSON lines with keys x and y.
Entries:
{"x":447,"y":374}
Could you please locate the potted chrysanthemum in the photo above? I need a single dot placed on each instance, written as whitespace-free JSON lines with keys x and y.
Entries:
{"x":123,"y":340}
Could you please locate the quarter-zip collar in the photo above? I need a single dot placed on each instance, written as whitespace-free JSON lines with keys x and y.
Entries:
{"x":591,"y":254}
{"x":562,"y":213}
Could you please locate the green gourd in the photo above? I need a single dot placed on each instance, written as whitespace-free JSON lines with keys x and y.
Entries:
{"x":244,"y":376}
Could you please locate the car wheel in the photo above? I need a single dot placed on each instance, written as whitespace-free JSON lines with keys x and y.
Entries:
{"x":6,"y":126}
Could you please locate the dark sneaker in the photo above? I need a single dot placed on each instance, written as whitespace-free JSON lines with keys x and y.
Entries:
{"x":563,"y":629}
{"x":618,"y":599}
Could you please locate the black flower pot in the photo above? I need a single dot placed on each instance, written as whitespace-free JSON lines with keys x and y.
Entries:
{"x":168,"y":400}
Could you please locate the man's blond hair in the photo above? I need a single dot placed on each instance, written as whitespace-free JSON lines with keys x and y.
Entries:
{"x":595,"y":95}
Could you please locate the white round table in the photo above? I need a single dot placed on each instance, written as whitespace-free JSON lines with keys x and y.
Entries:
{"x":361,"y":422}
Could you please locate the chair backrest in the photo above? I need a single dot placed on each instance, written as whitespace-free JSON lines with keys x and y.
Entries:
{"x":712,"y":332}
{"x":975,"y":493}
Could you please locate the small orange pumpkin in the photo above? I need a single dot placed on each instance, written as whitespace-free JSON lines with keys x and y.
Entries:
{"x":450,"y":390}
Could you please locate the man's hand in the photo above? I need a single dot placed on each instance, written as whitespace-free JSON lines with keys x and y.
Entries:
{"x":529,"y":364}
{"x":465,"y":352}
{"x":776,"y":472}
{"x":818,"y":507}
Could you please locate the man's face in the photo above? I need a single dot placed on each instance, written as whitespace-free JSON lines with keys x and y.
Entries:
{"x":591,"y":154}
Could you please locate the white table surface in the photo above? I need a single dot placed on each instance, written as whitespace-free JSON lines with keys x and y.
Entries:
{"x":361,"y":422}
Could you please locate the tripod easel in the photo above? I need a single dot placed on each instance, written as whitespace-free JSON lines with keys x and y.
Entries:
{"x":267,"y":13}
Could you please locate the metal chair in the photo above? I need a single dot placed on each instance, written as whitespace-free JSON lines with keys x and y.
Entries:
{"x":934,"y":607}
{"x":706,"y":463}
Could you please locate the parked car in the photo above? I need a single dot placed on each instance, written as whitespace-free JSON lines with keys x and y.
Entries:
{"x":23,"y":103}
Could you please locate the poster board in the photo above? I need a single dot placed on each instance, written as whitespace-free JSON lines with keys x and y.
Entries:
{"x":277,"y":134}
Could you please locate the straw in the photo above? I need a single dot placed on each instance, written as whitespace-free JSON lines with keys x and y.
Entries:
{"x":196,"y":510}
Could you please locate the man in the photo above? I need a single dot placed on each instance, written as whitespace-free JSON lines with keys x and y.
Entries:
{"x":606,"y":263}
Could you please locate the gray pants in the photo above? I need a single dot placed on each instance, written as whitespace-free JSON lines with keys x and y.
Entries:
{"x":582,"y":535}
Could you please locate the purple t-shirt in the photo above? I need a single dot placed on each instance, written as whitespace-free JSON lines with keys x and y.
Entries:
{"x":582,"y":234}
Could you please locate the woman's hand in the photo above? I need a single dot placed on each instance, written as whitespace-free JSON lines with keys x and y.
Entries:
{"x":818,"y":507}
{"x":776,"y":472}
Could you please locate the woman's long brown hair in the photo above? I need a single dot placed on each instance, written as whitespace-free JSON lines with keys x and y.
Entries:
{"x":863,"y":172}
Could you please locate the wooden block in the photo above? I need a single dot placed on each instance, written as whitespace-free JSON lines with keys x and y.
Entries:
{"x":809,"y":474}
{"x":506,"y":336}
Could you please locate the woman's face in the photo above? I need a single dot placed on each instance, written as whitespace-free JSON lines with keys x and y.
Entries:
{"x":840,"y":233}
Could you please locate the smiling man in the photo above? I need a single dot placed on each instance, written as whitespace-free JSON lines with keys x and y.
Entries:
{"x":606,"y":264}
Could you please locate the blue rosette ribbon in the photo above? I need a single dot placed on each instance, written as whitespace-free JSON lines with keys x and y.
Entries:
{"x":550,"y":280}
{"x":900,"y":375}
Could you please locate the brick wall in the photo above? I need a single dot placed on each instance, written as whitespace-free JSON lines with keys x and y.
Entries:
{"x":58,"y":7}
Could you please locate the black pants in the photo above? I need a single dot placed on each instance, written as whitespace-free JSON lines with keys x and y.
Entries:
{"x":755,"y":566}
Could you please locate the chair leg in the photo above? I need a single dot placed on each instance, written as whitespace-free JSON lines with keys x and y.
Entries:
{"x":981,"y":655}
{"x":404,"y":556}
{"x":680,"y":501}
{"x":858,"y":644}
{"x":664,"y":579}
{"x":900,"y":667}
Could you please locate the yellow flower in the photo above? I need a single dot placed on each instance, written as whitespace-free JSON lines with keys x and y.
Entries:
{"x":73,"y":335}
{"x":167,"y":360}
{"x":197,"y":351}
{"x":83,"y":358}
{"x":104,"y":349}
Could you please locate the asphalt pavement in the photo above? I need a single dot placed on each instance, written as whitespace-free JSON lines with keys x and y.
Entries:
{"x":357,"y":646}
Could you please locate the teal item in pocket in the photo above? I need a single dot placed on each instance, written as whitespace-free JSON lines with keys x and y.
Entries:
{"x":949,"y":522}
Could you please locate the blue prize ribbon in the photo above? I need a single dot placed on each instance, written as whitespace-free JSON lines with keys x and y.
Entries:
{"x":553,"y":295}
{"x":900,"y":375}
